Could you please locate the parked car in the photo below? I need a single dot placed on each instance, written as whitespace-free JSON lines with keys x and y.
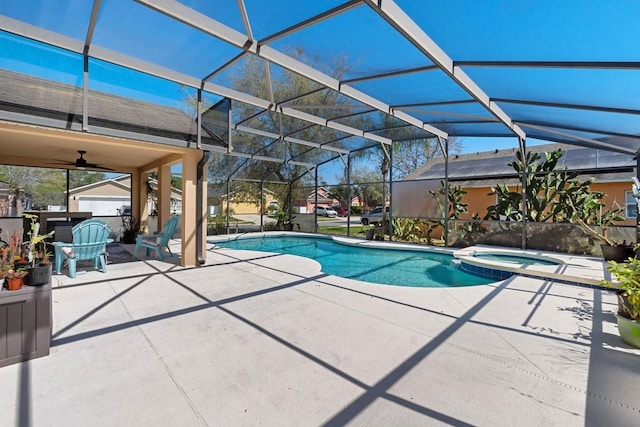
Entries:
{"x":373,"y":217}
{"x":341,"y":211}
{"x":326,"y":211}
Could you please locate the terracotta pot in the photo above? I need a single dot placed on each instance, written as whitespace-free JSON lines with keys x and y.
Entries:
{"x":14,"y":283}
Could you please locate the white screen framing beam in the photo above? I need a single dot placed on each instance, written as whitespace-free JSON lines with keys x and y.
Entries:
{"x":214,"y":28}
{"x":298,"y":141}
{"x":97,"y":52}
{"x":591,"y":142}
{"x":397,"y":18}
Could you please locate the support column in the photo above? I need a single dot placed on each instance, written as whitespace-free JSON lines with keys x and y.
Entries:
{"x":164,"y":194}
{"x":390,"y":214}
{"x":315,"y":202}
{"x":138,"y":195}
{"x":447,"y":223}
{"x":190,"y":192}
{"x":523,"y":151}
{"x":637,"y":201}
{"x":261,"y":205}
{"x":349,"y":194}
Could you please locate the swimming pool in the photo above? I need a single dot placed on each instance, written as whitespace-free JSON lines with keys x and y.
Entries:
{"x":411,"y":268}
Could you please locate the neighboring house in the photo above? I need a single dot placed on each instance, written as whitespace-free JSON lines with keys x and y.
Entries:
{"x":110,"y":197}
{"x":356,"y":201}
{"x":476,"y":173}
{"x":102,"y":198}
{"x":325,"y":198}
{"x":242,"y":203}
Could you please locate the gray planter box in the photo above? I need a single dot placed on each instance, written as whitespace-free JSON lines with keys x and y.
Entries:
{"x":25,"y":324}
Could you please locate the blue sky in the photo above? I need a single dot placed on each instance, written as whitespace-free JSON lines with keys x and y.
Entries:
{"x":523,"y":30}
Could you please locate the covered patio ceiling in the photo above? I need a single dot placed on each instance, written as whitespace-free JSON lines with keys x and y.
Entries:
{"x":34,"y":146}
{"x":559,"y":71}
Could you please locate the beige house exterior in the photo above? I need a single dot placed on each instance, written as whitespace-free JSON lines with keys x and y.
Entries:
{"x":247,"y":204}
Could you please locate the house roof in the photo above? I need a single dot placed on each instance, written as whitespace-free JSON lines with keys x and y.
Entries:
{"x":32,"y":95}
{"x":495,"y":164}
{"x":122,"y":181}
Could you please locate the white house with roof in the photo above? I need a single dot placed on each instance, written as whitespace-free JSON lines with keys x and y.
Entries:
{"x":111,"y":196}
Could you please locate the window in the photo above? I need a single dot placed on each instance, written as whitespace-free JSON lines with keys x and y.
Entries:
{"x":631,"y":205}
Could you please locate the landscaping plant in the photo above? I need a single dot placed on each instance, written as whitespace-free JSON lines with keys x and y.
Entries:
{"x":628,"y":283}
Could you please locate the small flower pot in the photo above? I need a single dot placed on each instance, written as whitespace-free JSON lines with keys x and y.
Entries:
{"x":14,"y":283}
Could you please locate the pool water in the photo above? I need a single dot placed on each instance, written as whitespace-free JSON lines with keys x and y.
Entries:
{"x":385,"y":266}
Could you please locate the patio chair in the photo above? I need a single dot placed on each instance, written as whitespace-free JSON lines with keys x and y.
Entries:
{"x":157,"y":241}
{"x":90,"y":238}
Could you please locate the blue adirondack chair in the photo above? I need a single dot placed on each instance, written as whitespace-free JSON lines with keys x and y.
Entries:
{"x":157,"y":241}
{"x":90,"y":238}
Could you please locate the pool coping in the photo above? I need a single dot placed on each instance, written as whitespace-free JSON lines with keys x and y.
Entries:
{"x":571,"y":269}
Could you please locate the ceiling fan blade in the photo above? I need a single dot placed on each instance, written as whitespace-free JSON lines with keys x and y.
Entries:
{"x":61,"y":162}
{"x":94,"y":166}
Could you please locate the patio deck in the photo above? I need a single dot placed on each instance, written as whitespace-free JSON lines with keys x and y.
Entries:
{"x":254,"y":339}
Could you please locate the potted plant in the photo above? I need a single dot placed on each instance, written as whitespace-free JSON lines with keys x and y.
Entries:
{"x":628,"y":293}
{"x":14,"y":278}
{"x":37,"y":255}
{"x":130,"y":228}
{"x":588,"y":210}
{"x":285,"y":220}
{"x":369,"y":232}
{"x":8,"y":257}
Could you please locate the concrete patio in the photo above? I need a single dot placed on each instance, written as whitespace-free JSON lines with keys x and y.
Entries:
{"x":255,"y":339}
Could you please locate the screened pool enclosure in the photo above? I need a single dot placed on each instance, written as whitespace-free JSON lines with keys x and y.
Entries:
{"x":293,"y":94}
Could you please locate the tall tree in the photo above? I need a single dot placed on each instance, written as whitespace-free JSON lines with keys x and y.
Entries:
{"x":254,"y":76}
{"x":411,"y":155}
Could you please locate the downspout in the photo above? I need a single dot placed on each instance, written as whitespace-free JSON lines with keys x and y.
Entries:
{"x":201,"y":223}
{"x":523,"y":151}
{"x":68,"y":194}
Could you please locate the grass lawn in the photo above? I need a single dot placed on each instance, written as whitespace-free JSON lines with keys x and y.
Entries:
{"x":356,"y":231}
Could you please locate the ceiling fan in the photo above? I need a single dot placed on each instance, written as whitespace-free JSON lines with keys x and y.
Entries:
{"x":81,"y":163}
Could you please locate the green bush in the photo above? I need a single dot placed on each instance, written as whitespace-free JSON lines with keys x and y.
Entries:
{"x":356,"y":210}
